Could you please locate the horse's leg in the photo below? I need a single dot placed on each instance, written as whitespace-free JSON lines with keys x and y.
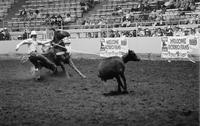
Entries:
{"x":124,"y":79}
{"x":62,"y":67}
{"x":64,"y":70}
{"x":119,"y":83}
{"x":47,"y":63}
{"x":71,"y":64}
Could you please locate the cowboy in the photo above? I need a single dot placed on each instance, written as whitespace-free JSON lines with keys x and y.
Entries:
{"x":63,"y":48}
{"x":34,"y":56}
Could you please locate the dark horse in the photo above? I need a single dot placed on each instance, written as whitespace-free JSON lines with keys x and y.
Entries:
{"x":58,"y":46}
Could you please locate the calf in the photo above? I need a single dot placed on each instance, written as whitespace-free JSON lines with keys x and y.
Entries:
{"x":114,"y":67}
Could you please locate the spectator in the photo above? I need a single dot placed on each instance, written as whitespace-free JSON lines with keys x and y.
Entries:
{"x":128,"y":15}
{"x":47,"y":19}
{"x":112,"y":34}
{"x":192,"y":5}
{"x":178,"y":32}
{"x":160,"y":4}
{"x":185,"y":32}
{"x":159,"y":32}
{"x":147,"y":32}
{"x":96,"y":1}
{"x":126,"y":23}
{"x":1,"y":35}
{"x":193,"y":32}
{"x":117,"y":11}
{"x":117,"y":34}
{"x":134,"y":33}
{"x":23,"y":14}
{"x":177,"y":3}
{"x":153,"y":15}
{"x":6,"y":34}
{"x":59,"y":20}
{"x":30,"y":15}
{"x":53,"y":20}
{"x":25,"y":34}
{"x":84,"y":6}
{"x":67,"y":19}
{"x":197,"y":33}
{"x":169,"y":4}
{"x":103,"y":34}
{"x":192,"y":19}
{"x":146,"y":7}
{"x":34,"y":15}
{"x":87,"y":23}
{"x":141,"y":6}
{"x":169,"y":32}
{"x":92,"y":23}
{"x":90,"y":3}
{"x":101,"y":22}
{"x":140,"y":32}
{"x":159,"y":20}
{"x":38,"y":15}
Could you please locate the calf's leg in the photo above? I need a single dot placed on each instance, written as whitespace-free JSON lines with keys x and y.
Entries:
{"x":119,"y":83}
{"x":124,"y":79}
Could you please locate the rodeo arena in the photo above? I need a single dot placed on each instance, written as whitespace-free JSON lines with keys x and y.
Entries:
{"x":99,"y":62}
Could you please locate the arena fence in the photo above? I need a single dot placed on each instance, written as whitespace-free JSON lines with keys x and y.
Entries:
{"x":148,"y":46}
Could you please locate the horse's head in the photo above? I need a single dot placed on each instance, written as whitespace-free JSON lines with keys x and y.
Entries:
{"x":59,"y":35}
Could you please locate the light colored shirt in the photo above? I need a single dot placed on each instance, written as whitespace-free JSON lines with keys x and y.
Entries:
{"x":32,"y":45}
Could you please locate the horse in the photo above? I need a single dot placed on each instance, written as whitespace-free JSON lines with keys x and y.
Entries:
{"x":114,"y":67}
{"x":57,"y":52}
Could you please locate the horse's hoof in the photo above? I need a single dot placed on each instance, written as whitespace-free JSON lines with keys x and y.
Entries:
{"x":84,"y":77}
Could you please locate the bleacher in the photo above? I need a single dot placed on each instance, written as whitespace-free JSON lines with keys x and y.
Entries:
{"x":73,"y":7}
{"x":126,"y":5}
{"x":4,"y":6}
{"x":51,"y":7}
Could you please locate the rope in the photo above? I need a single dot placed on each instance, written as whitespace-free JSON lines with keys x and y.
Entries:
{"x":74,"y":50}
{"x":85,"y":52}
{"x":191,"y":60}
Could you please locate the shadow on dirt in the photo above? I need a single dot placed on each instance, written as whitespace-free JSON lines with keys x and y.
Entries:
{"x":115,"y":93}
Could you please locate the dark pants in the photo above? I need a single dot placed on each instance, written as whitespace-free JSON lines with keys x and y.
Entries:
{"x":40,"y":61}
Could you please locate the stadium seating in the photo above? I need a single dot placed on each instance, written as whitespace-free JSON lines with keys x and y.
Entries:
{"x":4,"y":6}
{"x":105,"y":11}
{"x":52,"y":7}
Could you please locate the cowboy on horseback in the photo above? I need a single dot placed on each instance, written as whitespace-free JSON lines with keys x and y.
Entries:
{"x":37,"y":59}
{"x":62,"y":50}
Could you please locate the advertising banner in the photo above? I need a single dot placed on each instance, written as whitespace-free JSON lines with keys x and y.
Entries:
{"x":113,"y":47}
{"x":178,"y":46}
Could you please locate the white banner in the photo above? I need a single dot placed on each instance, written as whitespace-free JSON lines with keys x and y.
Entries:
{"x":178,"y":47}
{"x":113,"y":47}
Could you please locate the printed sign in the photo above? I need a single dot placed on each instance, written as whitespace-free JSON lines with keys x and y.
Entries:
{"x":113,"y":47}
{"x":178,"y":47}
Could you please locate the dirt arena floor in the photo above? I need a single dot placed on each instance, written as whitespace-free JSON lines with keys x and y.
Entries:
{"x":160,"y":94}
